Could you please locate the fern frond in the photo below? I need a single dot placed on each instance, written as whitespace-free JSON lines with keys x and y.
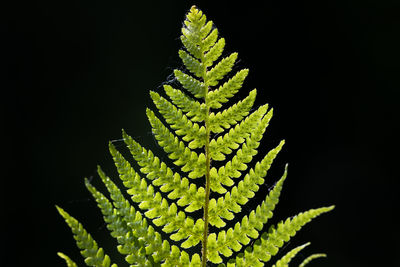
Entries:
{"x":68,"y":261}
{"x":232,"y":139}
{"x":210,"y":40}
{"x":214,"y":53}
{"x":191,"y":161}
{"x":126,"y":236}
{"x":244,"y":155}
{"x":161,"y":175}
{"x":196,"y":33}
{"x":192,"y":64}
{"x":221,"y":69}
{"x":195,"y":110}
{"x":194,"y":86}
{"x":249,"y":226}
{"x":194,"y":135}
{"x":180,"y":123}
{"x":216,"y":98}
{"x":312,"y":257}
{"x":232,"y":115}
{"x":94,"y":256}
{"x":158,"y":208}
{"x":181,"y":258}
{"x":196,"y":27}
{"x":285,"y":260}
{"x":272,"y":241}
{"x":237,"y":195}
{"x":149,"y":240}
{"x":191,"y":47}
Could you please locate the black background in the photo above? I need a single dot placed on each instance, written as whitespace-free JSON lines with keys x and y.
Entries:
{"x":79,"y":71}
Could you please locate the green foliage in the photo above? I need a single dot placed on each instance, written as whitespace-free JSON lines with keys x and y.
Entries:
{"x":193,"y":132}
{"x":312,"y":257}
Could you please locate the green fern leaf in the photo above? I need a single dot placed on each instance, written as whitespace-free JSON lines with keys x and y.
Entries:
{"x":285,"y":260}
{"x":180,"y":123}
{"x":129,"y":243}
{"x":312,"y":257}
{"x":68,"y":261}
{"x":244,"y":155}
{"x":250,"y":225}
{"x":158,"y":208}
{"x":137,"y":235}
{"x":94,"y":256}
{"x":191,"y":161}
{"x":232,"y":139}
{"x":231,"y":200}
{"x":221,"y":69}
{"x":192,"y":64}
{"x":272,"y":241}
{"x":232,"y":115}
{"x":162,"y":176}
{"x":192,"y":108}
{"x":216,"y":98}
{"x":214,"y":53}
{"x":162,"y":196}
{"x":191,"y":84}
{"x":210,"y":40}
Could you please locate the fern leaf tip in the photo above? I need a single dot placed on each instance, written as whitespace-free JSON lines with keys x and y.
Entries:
{"x":329,"y":208}
{"x":68,"y":261}
{"x":61,"y":211}
{"x":153,"y":94}
{"x":149,"y":112}
{"x":124,"y":134}
{"x":311,"y":258}
{"x":99,"y":170}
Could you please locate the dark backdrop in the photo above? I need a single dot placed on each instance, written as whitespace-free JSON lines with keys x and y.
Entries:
{"x":79,"y":71}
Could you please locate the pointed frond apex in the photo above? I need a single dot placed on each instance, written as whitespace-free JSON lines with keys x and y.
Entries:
{"x":68,"y":261}
{"x":194,"y":23}
{"x":198,"y":35}
{"x":285,"y":260}
{"x":93,"y":255}
{"x":311,"y":257}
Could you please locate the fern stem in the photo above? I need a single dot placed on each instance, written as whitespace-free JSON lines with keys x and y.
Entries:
{"x":207,"y":175}
{"x":207,"y":195}
{"x":207,"y":189}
